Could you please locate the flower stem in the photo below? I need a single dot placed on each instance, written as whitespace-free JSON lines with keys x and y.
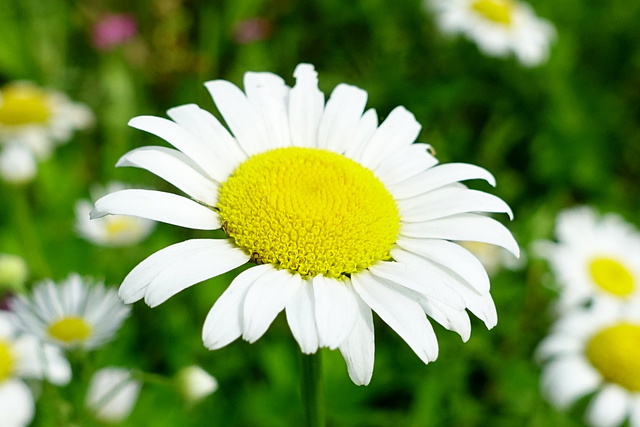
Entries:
{"x":29,"y":235}
{"x":312,"y":389}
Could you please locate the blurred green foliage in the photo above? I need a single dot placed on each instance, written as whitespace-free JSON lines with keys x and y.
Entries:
{"x":561,"y":134}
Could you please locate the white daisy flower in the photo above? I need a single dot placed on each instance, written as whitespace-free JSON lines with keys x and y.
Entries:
{"x":341,"y":216}
{"x":17,"y":164}
{"x":194,"y":383}
{"x":112,"y":394}
{"x":25,"y":357}
{"x":594,"y":257}
{"x":498,"y":27}
{"x":595,"y":349}
{"x":113,"y":230}
{"x":39,"y":118}
{"x":77,"y":313}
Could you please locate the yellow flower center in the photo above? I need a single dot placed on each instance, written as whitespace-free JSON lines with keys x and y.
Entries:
{"x":615,"y":353}
{"x":309,"y":210}
{"x":499,"y":11}
{"x":70,"y":329}
{"x":118,"y":225}
{"x":7,"y":361}
{"x":612,"y":276}
{"x":23,"y":104}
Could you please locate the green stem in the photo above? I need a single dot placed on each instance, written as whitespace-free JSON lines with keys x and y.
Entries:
{"x":312,"y":389}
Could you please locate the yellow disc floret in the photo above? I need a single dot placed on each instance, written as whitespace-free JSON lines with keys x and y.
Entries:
{"x":23,"y":104}
{"x":7,"y":361}
{"x":615,"y":353}
{"x":309,"y":210}
{"x":70,"y":329}
{"x":499,"y":11}
{"x":612,"y":276}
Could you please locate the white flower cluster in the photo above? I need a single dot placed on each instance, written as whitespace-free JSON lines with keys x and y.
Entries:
{"x":594,"y":346}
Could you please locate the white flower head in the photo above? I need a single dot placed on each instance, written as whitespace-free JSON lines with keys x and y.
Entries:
{"x":595,"y":349}
{"x":112,"y":394}
{"x":194,"y":383}
{"x":595,"y":257}
{"x":77,"y":313}
{"x":25,"y":357}
{"x":38,"y":118}
{"x":113,"y":230}
{"x":498,"y":27}
{"x":17,"y":164}
{"x":340,"y":216}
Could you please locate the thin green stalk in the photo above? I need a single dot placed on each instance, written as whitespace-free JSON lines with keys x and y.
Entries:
{"x":312,"y":389}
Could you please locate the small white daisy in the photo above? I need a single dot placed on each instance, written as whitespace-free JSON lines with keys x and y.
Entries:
{"x":194,"y":383}
{"x":25,"y":357}
{"x":77,"y":313}
{"x":594,"y":257}
{"x":112,"y":394}
{"x":39,"y":118}
{"x":595,"y":349}
{"x":113,"y":230}
{"x":497,"y":27}
{"x":341,"y":217}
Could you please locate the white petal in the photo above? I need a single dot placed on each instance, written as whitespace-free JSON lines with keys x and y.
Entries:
{"x":557,"y":344}
{"x":362,"y":134}
{"x":201,"y":153}
{"x":439,"y":176}
{"x":405,"y":163}
{"x":358,"y":349}
{"x":16,"y":404}
{"x":301,"y":317}
{"x":171,"y":259}
{"x":423,"y":279}
{"x":399,"y":129}
{"x":267,"y":297}
{"x":450,"y":201}
{"x":241,"y":116}
{"x":226,"y":152}
{"x":306,"y":104}
{"x":158,"y":206}
{"x":270,"y":96}
{"x":471,"y":227}
{"x":567,"y":379}
{"x":609,"y":407}
{"x":634,"y":411}
{"x":206,"y":258}
{"x":397,"y":306}
{"x":341,"y":116}
{"x":39,"y":360}
{"x":336,"y":310}
{"x":175,"y":168}
{"x":224,"y":322}
{"x":452,"y":256}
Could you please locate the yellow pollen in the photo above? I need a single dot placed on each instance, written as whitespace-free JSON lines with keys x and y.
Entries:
{"x":70,"y":329}
{"x":499,"y":11}
{"x":309,"y":210}
{"x":615,"y":353}
{"x":612,"y":276}
{"x":23,"y":104}
{"x":7,"y":361}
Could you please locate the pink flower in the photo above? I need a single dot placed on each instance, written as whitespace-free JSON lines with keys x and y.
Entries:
{"x":112,"y":30}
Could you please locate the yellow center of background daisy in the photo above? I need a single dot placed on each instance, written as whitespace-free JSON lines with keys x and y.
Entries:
{"x":22,"y":104}
{"x":615,"y":353}
{"x":499,"y":11}
{"x":310,"y":211}
{"x":70,"y":329}
{"x":612,"y":276}
{"x":7,"y":361}
{"x":120,"y":224}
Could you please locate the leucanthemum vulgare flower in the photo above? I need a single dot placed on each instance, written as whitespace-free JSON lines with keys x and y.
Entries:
{"x":498,"y":27}
{"x":25,"y":357}
{"x":39,"y":119}
{"x":77,"y":313}
{"x":339,"y":215}
{"x":112,"y":230}
{"x":595,"y":257}
{"x":595,"y":349}
{"x":112,"y":394}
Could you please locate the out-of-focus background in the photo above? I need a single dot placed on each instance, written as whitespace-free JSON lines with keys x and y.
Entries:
{"x":563,"y":133}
